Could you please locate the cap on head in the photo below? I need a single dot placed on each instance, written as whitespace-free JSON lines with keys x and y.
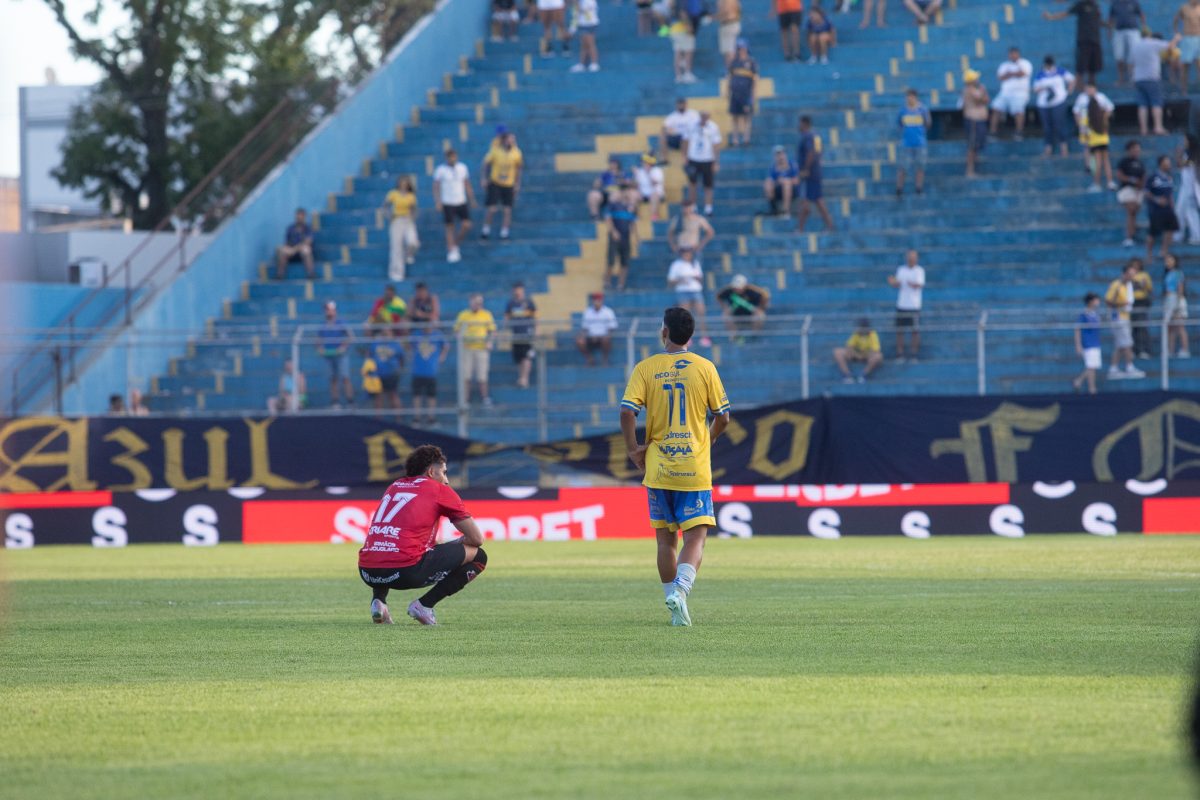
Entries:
{"x":739,"y":282}
{"x":742,"y":44}
{"x":864,"y":323}
{"x":648,"y":158}
{"x":970,"y":76}
{"x":501,"y":130}
{"x":778,"y":149}
{"x":330,"y":305}
{"x":596,"y":296}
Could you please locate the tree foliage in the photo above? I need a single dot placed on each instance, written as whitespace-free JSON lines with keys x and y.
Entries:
{"x":185,"y":80}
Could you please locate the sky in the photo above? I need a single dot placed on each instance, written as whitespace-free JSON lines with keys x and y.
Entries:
{"x":30,"y":41}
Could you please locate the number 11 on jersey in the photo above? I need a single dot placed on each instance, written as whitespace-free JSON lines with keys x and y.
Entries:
{"x":671,"y":390}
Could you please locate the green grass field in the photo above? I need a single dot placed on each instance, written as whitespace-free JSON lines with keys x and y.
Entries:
{"x":981,"y":668}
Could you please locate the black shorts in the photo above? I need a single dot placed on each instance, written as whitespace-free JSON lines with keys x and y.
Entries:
{"x":1163,"y":221}
{"x":700,"y":171}
{"x":388,"y":383}
{"x":423,"y":386}
{"x":619,"y":251}
{"x":595,"y":342}
{"x":521,"y":351}
{"x":790,"y":19}
{"x":908,"y":319}
{"x":499,"y":195}
{"x":1089,"y":58}
{"x":675,"y":141}
{"x":1100,"y":148}
{"x":435,"y":565}
{"x":741,"y":105}
{"x":451,"y":213}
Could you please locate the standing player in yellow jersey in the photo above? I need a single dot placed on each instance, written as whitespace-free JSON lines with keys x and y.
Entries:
{"x":502,"y":168}
{"x":678,"y":389}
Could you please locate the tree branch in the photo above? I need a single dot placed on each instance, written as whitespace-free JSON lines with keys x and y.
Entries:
{"x":88,"y":48}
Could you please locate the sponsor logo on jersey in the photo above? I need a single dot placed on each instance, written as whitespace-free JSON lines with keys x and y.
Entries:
{"x":682,"y":363}
{"x":675,"y":450}
{"x":678,"y":435}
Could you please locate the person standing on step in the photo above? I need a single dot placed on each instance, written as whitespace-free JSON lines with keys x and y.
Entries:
{"x":879,"y":6}
{"x":1087,"y":343}
{"x":743,"y":76}
{"x":1126,"y":20}
{"x":1053,"y":85}
{"x":683,"y":46}
{"x":1013,"y":98}
{"x":622,"y":233}
{"x":703,"y":148}
{"x":1147,"y":80}
{"x":453,"y":197}
{"x":909,"y":280}
{"x":809,"y":188}
{"x":505,"y":19}
{"x":521,"y":315}
{"x":333,"y":343}
{"x":1189,"y":46}
{"x":651,"y":183}
{"x":1089,"y":57}
{"x":502,"y":168}
{"x":689,"y":230}
{"x":402,"y":232}
{"x":1119,"y":299}
{"x":553,"y":14}
{"x":923,"y":11}
{"x":1131,"y":174}
{"x":429,"y":349}
{"x":975,"y":101}
{"x":587,"y":22}
{"x":729,"y":28}
{"x":914,"y":122}
{"x":686,"y":277}
{"x":1160,"y":208}
{"x":790,"y":14}
{"x":1139,"y":315}
{"x":477,"y":328}
{"x":1093,"y":111}
{"x":1175,"y":310}
{"x":388,"y":354}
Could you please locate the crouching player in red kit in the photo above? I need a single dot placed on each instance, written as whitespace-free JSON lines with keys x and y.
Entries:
{"x":400,"y":550}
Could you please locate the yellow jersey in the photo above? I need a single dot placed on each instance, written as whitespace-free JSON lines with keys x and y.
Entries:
{"x":475,"y":327}
{"x":402,"y":202}
{"x":677,"y":390}
{"x":863,"y":343}
{"x":503,"y":165}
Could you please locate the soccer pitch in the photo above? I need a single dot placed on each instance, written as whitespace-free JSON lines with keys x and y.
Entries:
{"x":973,"y":667}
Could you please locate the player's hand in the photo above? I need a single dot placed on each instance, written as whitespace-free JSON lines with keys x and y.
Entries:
{"x":638,"y":457}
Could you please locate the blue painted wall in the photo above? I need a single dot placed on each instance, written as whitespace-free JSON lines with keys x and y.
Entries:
{"x":319,"y":166}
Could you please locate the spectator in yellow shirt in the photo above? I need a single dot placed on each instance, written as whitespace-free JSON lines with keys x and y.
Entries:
{"x":502,"y":168}
{"x":863,"y":345}
{"x":476,"y":328}
{"x":403,"y":230}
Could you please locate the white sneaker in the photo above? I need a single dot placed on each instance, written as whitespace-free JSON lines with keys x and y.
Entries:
{"x":504,"y":233}
{"x":593,"y":67}
{"x":1183,"y":354}
{"x":1134,"y":372}
{"x":421,"y":614}
{"x":1127,"y":243}
{"x":454,"y":256}
{"x":410,"y":259}
{"x":379,"y":613}
{"x":708,"y":210}
{"x":577,"y":68}
{"x":1093,"y":189}
{"x":1115,"y":374}
{"x":849,"y":379}
{"x":1112,"y":186}
{"x":811,"y":60}
{"x":824,"y":59}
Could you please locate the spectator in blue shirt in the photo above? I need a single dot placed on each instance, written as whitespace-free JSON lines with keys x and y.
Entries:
{"x":1160,"y":207}
{"x":333,"y":343}
{"x":606,"y":187}
{"x":780,"y":183}
{"x":622,"y":233}
{"x":297,"y":246}
{"x":429,"y":351}
{"x":808,"y":186}
{"x":914,"y":123}
{"x":1087,"y":343}
{"x":388,"y":356}
{"x":1175,"y":310}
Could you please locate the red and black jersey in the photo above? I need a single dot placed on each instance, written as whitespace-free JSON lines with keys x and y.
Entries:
{"x":405,"y":525}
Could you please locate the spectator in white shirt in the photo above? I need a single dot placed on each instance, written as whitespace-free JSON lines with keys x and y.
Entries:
{"x":703,"y":142}
{"x":1093,"y":111}
{"x":910,"y":281}
{"x":1012,"y":99}
{"x":650,"y":183}
{"x":595,"y":330}
{"x":453,"y":197}
{"x":1053,"y":85}
{"x":687,"y":279}
{"x":675,"y":125}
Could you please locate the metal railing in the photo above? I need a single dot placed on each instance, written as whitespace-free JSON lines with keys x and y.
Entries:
{"x":972,"y":351}
{"x":210,"y":202}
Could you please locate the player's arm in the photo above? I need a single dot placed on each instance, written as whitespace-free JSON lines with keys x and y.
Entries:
{"x":636,"y":452}
{"x":717,"y":426}
{"x":471,"y":534}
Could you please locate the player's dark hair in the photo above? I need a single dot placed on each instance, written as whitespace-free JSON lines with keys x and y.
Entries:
{"x":679,"y":324}
{"x":421,"y":459}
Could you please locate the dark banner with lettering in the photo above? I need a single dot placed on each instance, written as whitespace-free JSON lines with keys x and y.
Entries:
{"x":1142,"y":437}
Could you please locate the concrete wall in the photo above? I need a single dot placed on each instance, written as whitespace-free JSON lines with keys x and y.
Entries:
{"x":318,"y":166}
{"x":46,"y":257}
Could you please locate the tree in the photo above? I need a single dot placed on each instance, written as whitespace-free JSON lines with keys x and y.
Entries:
{"x":185,"y":80}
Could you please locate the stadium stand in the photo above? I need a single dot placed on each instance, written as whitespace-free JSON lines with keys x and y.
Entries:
{"x":1023,"y":242}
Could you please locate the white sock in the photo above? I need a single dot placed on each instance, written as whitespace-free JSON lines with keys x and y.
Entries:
{"x":685,"y":576}
{"x":668,"y":588}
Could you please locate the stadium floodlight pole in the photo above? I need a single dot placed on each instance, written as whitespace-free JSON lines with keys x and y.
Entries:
{"x":981,"y":352}
{"x":294,"y":395}
{"x":1164,"y":349}
{"x":804,"y":356}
